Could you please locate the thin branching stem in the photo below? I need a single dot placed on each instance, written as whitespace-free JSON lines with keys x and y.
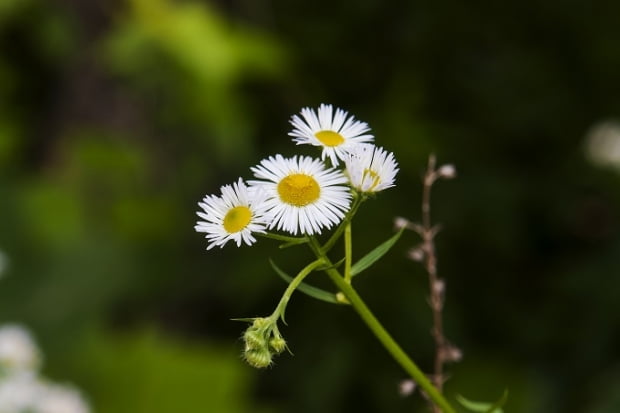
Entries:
{"x":436,"y":285}
{"x":279,"y":311}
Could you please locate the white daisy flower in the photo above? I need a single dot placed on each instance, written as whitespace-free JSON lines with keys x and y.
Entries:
{"x":302,"y":194}
{"x":371,"y":169}
{"x":338,"y":133}
{"x":233,"y":216}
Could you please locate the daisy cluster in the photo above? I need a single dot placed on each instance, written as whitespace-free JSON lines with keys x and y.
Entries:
{"x":301,"y":195}
{"x":22,"y":389}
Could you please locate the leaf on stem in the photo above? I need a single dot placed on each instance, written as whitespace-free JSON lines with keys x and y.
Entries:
{"x":370,"y":258}
{"x":297,"y":241}
{"x":287,"y":241}
{"x":483,"y":406}
{"x":328,"y":267}
{"x":307,"y":289}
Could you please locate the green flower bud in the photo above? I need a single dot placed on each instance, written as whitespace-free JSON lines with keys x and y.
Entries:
{"x":260,"y":323}
{"x":253,"y":339}
{"x":340,"y":297}
{"x":259,"y":357}
{"x":278,"y":344}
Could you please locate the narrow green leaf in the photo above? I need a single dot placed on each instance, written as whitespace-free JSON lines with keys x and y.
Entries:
{"x":307,"y":289}
{"x":370,"y":258}
{"x":287,"y":241}
{"x":247,"y":319}
{"x":483,"y":407}
{"x":475,"y":406}
{"x":290,"y":244}
{"x":496,"y":408}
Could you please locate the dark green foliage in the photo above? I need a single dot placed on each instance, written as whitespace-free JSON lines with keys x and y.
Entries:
{"x":116,"y":118}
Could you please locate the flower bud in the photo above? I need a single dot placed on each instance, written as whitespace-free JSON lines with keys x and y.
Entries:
{"x":447,"y":171}
{"x":400,"y":223}
{"x":340,"y":297}
{"x":260,"y":322}
{"x":416,"y":254}
{"x":253,"y":339}
{"x":439,"y":287}
{"x":259,"y":357}
{"x":453,"y":353}
{"x":278,"y":344}
{"x":406,"y":387}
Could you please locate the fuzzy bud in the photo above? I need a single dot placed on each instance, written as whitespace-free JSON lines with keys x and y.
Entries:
{"x":439,"y":287}
{"x":447,"y":171}
{"x":259,"y":357}
{"x":277,"y":344}
{"x":253,"y":339}
{"x":453,"y":354}
{"x":406,"y":387}
{"x":260,"y":322}
{"x":416,"y":254}
{"x":400,"y":223}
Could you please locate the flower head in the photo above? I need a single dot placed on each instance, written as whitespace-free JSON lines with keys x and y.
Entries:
{"x":371,"y":169}
{"x":338,"y":133}
{"x":17,"y":349}
{"x":234,"y":215}
{"x":302,"y":194}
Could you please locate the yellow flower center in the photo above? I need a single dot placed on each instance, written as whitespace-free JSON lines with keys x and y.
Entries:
{"x":372,"y":175}
{"x":329,"y":138}
{"x":237,"y":218}
{"x":299,"y":190}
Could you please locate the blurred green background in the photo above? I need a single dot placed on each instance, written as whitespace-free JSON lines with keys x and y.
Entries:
{"x":117,"y":117}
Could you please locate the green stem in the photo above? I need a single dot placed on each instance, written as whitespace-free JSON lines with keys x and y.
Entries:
{"x":279,"y":311}
{"x":348,"y":252}
{"x":381,"y":333}
{"x":357,"y":201}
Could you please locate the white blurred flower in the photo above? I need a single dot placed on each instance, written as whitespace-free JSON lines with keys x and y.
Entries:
{"x":19,"y":392}
{"x":338,"y":133}
{"x":22,"y":390}
{"x":55,"y":398}
{"x":17,"y":348}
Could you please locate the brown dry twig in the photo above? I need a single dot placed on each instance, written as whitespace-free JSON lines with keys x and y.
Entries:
{"x":425,"y":253}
